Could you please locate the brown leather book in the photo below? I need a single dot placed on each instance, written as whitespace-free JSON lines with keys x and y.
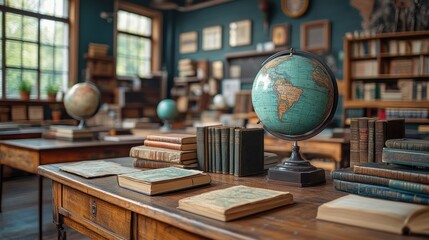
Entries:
{"x":354,"y":142}
{"x":162,"y":154}
{"x":371,"y":140}
{"x":363,"y":140}
{"x":180,"y":138}
{"x":145,"y":163}
{"x":409,"y":144}
{"x":169,"y":145}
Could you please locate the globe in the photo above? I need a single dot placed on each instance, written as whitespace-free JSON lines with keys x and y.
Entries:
{"x":82,"y":101}
{"x":167,"y":109}
{"x":295,"y":95}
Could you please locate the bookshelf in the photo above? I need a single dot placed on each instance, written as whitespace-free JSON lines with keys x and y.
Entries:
{"x":102,"y":73}
{"x":387,"y":76}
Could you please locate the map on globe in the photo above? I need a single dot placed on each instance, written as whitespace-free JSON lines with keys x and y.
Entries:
{"x":292,"y":95}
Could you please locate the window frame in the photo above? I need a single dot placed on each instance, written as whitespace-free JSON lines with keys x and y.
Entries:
{"x":156,"y":36}
{"x":73,"y":23}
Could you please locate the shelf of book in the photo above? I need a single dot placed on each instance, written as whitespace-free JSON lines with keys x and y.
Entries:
{"x":387,"y":74}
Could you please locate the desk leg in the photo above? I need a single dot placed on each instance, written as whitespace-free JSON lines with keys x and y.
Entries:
{"x":1,"y":186}
{"x":40,"y":206}
{"x":61,"y":232}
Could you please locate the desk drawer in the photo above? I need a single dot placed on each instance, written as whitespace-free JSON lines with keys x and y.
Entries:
{"x":97,"y":214}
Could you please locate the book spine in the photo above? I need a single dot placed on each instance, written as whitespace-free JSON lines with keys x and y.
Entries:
{"x":209,"y":149}
{"x":167,"y":145}
{"x":213,"y":152}
{"x":224,"y":141}
{"x":174,"y":157}
{"x":143,"y":163}
{"x":363,"y":140}
{"x":379,"y":192}
{"x":237,"y":151}
{"x":354,"y":142}
{"x":393,"y":174}
{"x":406,"y":157}
{"x":231,"y":150}
{"x":386,"y":182}
{"x":418,"y":145}
{"x":380,"y":139}
{"x":371,"y":140}
{"x":202,"y":148}
{"x":218,"y":151}
{"x":395,"y":128}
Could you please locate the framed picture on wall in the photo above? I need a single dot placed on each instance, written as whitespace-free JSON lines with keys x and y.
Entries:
{"x":316,"y":36}
{"x":212,"y":38}
{"x":280,"y":35}
{"x":188,"y":42}
{"x":240,"y":33}
{"x":294,"y":8}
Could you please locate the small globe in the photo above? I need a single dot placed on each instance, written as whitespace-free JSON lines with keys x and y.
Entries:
{"x":294,"y":95}
{"x":82,"y":101}
{"x":167,"y":110}
{"x":219,"y":101}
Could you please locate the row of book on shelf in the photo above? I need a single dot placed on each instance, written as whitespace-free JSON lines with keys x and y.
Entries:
{"x":370,"y":48}
{"x":371,"y":68}
{"x":403,"y":89}
{"x":388,"y":113}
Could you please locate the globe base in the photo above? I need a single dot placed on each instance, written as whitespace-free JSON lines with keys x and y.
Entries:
{"x":297,"y":171}
{"x":82,"y":124}
{"x":166,"y":127}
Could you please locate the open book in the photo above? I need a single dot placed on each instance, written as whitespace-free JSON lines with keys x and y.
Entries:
{"x":163,"y":180}
{"x":234,"y":202}
{"x":378,"y":214}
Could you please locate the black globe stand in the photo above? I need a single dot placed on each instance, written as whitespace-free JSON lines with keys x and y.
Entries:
{"x":297,"y":171}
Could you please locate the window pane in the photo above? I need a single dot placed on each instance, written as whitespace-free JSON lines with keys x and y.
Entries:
{"x":61,"y":34}
{"x":60,"y":59}
{"x":133,"y":23}
{"x":31,"y":5}
{"x":13,"y":26}
{"x":145,"y":26}
{"x":14,"y":3}
{"x":46,"y":58}
{"x":29,"y":55}
{"x":47,"y":32}
{"x":133,"y":46}
{"x":121,"y":65}
{"x":13,"y":78}
{"x":144,"y":68}
{"x":122,"y":44}
{"x":146,"y":49}
{"x":13,"y":53}
{"x":47,"y":7}
{"x":45,"y":80}
{"x":31,"y":29}
{"x":122,"y":20}
{"x":61,"y":8}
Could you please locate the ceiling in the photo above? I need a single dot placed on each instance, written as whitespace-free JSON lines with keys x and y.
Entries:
{"x":185,"y":5}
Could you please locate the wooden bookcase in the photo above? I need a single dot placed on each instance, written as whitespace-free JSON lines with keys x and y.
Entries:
{"x":386,"y":76}
{"x":102,"y":73}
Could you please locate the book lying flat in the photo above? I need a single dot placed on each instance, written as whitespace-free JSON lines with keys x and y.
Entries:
{"x":234,"y":202}
{"x":144,"y":163}
{"x":92,"y":169}
{"x":162,"y":154}
{"x":169,"y":145}
{"x":392,"y":171}
{"x":383,"y":215}
{"x":407,"y":143}
{"x":181,"y":138}
{"x":127,"y":137}
{"x":406,"y":157}
{"x":161,"y":180}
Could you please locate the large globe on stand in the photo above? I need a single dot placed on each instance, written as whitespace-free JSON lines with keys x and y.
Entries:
{"x":82,"y":101}
{"x":167,"y":112}
{"x":295,"y":96}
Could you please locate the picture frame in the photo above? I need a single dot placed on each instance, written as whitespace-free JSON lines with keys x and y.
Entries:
{"x":240,"y":33}
{"x":188,"y":42}
{"x":217,"y":69}
{"x":316,"y":36}
{"x":294,"y":8}
{"x":212,"y":38}
{"x":280,"y":35}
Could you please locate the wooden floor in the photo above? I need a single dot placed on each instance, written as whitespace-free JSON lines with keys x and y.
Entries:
{"x":19,"y":219}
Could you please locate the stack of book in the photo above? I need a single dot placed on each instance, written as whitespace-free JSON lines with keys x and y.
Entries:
{"x":231,"y":150}
{"x":186,"y":67}
{"x":73,"y":133}
{"x":166,"y":150}
{"x":368,"y":137}
{"x":402,"y":176}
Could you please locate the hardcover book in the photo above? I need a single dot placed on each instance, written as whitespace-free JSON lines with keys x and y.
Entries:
{"x":371,"y":140}
{"x":162,"y":180}
{"x":349,"y":176}
{"x":169,"y":145}
{"x":224,"y":144}
{"x":144,"y":163}
{"x":180,"y":138}
{"x":162,"y":154}
{"x":375,"y":191}
{"x":384,"y":130}
{"x":249,"y":151}
{"x":92,"y":169}
{"x":407,"y":143}
{"x":354,"y":142}
{"x":363,"y":140}
{"x":392,"y":171}
{"x":234,"y":202}
{"x":406,"y":157}
{"x":377,"y":214}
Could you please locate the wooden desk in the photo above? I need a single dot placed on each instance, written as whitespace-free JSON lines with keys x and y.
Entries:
{"x":100,"y":209}
{"x":337,"y":149}
{"x":28,"y":154}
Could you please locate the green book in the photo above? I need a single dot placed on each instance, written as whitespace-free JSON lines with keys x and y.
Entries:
{"x":224,"y":142}
{"x":406,"y":157}
{"x":218,"y":151}
{"x":162,"y":180}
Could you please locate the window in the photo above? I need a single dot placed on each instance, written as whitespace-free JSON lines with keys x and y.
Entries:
{"x":35,"y":45}
{"x":137,"y":41}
